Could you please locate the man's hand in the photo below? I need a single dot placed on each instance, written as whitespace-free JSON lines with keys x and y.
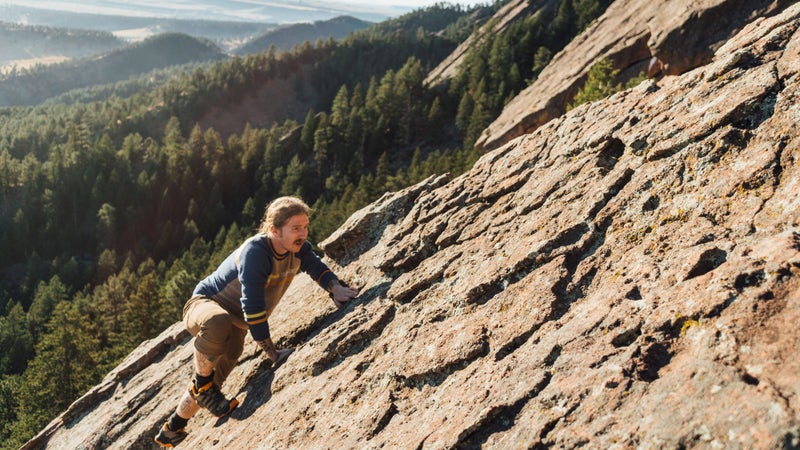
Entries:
{"x":269,"y":348}
{"x":276,"y":356}
{"x":342,"y":294}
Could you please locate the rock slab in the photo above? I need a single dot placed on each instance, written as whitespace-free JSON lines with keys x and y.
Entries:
{"x":663,"y":37}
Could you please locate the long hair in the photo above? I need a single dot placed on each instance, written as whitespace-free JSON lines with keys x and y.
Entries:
{"x":280,"y":211}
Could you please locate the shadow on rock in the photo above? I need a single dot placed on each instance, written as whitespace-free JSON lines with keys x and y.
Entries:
{"x":258,"y":391}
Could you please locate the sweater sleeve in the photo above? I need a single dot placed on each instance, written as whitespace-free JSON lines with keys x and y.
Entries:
{"x":314,"y":267}
{"x":254,"y":266}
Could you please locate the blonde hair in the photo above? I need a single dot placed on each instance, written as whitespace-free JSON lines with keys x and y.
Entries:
{"x":280,"y":211}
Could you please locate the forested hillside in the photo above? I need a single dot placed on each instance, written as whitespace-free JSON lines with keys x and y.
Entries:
{"x":30,"y":43}
{"x":112,"y":207}
{"x":283,"y":38}
{"x":32,"y":86}
{"x":224,"y":31}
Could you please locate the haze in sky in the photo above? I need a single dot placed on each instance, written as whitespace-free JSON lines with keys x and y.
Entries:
{"x":418,"y":3}
{"x":242,"y":10}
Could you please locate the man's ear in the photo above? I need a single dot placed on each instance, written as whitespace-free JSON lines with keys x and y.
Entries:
{"x":273,"y":230}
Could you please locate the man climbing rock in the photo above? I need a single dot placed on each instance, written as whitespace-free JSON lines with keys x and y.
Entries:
{"x":239,"y":296}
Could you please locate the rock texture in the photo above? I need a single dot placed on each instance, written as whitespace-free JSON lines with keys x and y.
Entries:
{"x":655,"y":37}
{"x":626,"y":276}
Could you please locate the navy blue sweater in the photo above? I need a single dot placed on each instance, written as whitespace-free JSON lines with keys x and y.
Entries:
{"x":251,"y":281}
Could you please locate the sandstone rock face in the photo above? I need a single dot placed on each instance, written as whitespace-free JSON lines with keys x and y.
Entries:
{"x":626,"y":276}
{"x":662,"y":36}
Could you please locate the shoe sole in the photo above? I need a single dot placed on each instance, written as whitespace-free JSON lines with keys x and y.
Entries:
{"x":163,"y":445}
{"x":231,"y":406}
{"x":168,"y":444}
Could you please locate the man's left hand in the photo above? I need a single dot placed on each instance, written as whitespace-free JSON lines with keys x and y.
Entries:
{"x":342,"y":294}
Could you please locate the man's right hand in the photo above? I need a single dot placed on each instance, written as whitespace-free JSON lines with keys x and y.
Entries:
{"x":269,"y":348}
{"x":276,"y":356}
{"x":282,"y":355}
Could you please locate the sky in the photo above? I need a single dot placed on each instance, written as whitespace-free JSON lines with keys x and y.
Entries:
{"x":417,"y":3}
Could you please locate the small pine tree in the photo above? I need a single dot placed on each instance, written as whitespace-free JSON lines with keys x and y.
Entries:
{"x":599,"y":83}
{"x":307,"y":133}
{"x":464,"y":112}
{"x":540,"y":60}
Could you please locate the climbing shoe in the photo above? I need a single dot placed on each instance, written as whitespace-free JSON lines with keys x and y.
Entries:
{"x":209,"y":397}
{"x":168,"y":438}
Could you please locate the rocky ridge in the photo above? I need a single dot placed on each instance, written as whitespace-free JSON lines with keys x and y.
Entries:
{"x":510,"y":12}
{"x":627,"y":275}
{"x":639,"y":36}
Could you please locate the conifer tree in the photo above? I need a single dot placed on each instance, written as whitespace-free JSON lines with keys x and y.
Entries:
{"x":141,"y":319}
{"x":464,"y":112}
{"x":563,"y":25}
{"x":355,"y":138}
{"x":307,"y":134}
{"x":109,"y":304}
{"x":599,"y":83}
{"x":106,"y":225}
{"x":540,"y":60}
{"x":16,"y":341}
{"x":47,"y":296}
{"x":340,"y":109}
{"x":383,"y":171}
{"x":586,"y":11}
{"x":107,"y":265}
{"x":293,"y":180}
{"x":9,"y":385}
{"x":62,"y":370}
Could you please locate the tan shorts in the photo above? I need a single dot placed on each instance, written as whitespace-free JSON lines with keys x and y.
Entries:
{"x":215,"y":334}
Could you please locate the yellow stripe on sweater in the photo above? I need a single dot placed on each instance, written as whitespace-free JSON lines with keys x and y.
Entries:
{"x":255,"y":322}
{"x":255,"y":316}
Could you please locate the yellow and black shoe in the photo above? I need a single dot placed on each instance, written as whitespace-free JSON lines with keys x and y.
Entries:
{"x":211,"y":398}
{"x":167,"y":438}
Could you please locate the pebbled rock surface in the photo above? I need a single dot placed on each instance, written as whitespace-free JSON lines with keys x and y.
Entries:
{"x":662,"y":37}
{"x":626,"y":276}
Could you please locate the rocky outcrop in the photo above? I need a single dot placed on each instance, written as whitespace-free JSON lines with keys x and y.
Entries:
{"x":511,"y":12}
{"x":626,"y":276}
{"x":639,"y":36}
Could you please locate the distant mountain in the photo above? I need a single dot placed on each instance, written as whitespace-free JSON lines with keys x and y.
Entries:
{"x":26,"y":45}
{"x":285,"y":37}
{"x":224,"y":32}
{"x":169,"y":49}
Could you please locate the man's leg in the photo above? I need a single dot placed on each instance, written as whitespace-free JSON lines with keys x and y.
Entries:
{"x":212,"y":328}
{"x":188,"y":407}
{"x":212,"y":343}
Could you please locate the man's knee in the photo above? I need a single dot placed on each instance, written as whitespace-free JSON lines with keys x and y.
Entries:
{"x":215,"y":332}
{"x":217,"y":325}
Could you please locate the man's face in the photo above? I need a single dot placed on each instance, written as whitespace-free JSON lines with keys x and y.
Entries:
{"x":292,"y":235}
